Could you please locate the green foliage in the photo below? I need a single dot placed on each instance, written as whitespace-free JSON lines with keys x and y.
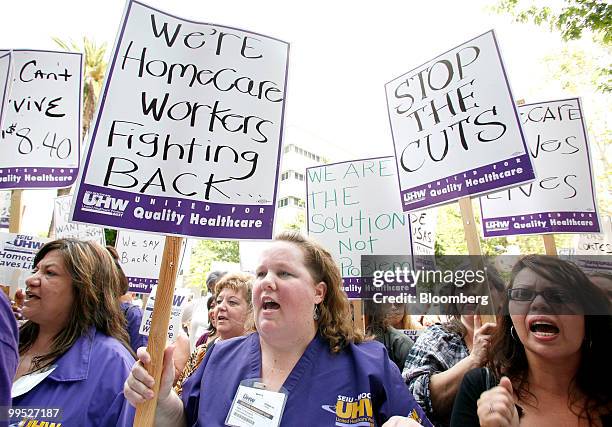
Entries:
{"x":204,"y":253}
{"x":111,"y":236}
{"x":572,"y":20}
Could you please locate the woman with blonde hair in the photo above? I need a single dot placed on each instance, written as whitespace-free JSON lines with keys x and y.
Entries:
{"x":306,"y":364}
{"x":233,"y":315}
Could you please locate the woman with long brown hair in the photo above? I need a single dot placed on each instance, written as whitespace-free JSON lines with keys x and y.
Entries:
{"x":74,"y":351}
{"x":550,"y":355}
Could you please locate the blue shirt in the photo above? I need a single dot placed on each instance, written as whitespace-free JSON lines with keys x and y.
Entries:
{"x":87,"y":383}
{"x":359,"y":384}
{"x":9,"y":355}
{"x":133,"y":314}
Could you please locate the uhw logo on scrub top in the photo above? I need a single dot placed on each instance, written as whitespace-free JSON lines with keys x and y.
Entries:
{"x":358,"y":412}
{"x":352,"y":411}
{"x":37,"y":423}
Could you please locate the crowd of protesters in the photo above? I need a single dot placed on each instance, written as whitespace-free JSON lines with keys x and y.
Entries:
{"x":288,"y":330}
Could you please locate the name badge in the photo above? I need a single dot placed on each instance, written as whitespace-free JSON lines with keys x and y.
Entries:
{"x":254,"y":406}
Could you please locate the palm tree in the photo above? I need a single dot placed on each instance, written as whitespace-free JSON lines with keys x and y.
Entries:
{"x":93,"y":74}
{"x":93,"y":79}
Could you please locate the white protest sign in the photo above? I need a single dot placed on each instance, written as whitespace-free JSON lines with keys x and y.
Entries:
{"x":187,"y":136}
{"x":5,"y":208}
{"x":423,"y":226}
{"x":455,"y":128}
{"x":65,"y":228}
{"x":5,"y":76}
{"x":39,"y":144}
{"x":562,"y":198}
{"x":17,"y":253}
{"x":179,"y":300}
{"x":594,"y":251}
{"x":140,"y":256}
{"x":353,"y":210}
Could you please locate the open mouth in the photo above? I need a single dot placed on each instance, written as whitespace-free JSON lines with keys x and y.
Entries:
{"x":543,"y":328}
{"x":30,"y":296}
{"x":269,"y":304}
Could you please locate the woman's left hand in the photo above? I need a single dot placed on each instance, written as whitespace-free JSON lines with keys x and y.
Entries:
{"x":496,"y":407}
{"x":401,"y":422}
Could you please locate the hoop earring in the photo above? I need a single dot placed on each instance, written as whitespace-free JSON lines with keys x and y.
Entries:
{"x":513,"y":333}
{"x":317,"y":313}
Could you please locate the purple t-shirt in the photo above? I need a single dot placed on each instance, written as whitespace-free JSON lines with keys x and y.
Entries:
{"x":9,"y":354}
{"x":324,"y":389}
{"x":87,"y":383}
{"x":133,"y":314}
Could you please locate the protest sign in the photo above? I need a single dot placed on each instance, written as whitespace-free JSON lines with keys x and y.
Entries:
{"x":65,"y":228}
{"x":187,"y":136}
{"x":5,"y":208}
{"x":562,"y":199}
{"x":178,"y":304}
{"x":40,"y":139}
{"x":17,"y":253}
{"x":140,"y":256}
{"x":5,"y":76}
{"x":593,"y":252}
{"x":455,"y":127}
{"x":423,"y":228}
{"x":353,"y":210}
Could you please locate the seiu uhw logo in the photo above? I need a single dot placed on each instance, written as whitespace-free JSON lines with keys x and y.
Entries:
{"x":25,"y":242}
{"x":106,"y":202}
{"x":497,"y":225}
{"x":414,"y":196}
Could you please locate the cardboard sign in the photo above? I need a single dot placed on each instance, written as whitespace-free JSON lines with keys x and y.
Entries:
{"x":179,"y":300}
{"x":562,"y":198}
{"x":17,"y":253}
{"x":423,"y":227}
{"x":65,"y":228}
{"x":353,"y":210}
{"x":140,"y":257}
{"x":593,"y":252}
{"x":455,"y":128}
{"x":187,"y":137}
{"x":40,"y":138}
{"x":5,"y":208}
{"x":5,"y":75}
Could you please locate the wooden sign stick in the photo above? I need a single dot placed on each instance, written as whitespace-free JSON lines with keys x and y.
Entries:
{"x":145,"y":413}
{"x":549,"y":244}
{"x":16,"y":211}
{"x":473,"y":242}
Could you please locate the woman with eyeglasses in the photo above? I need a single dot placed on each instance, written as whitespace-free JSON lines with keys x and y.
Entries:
{"x":548,"y":364}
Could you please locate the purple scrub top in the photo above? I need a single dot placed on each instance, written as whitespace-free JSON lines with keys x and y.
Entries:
{"x":87,"y":383}
{"x":133,"y":314}
{"x":9,"y":354}
{"x":324,"y":389}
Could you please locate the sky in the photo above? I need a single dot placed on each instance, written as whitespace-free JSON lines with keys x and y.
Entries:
{"x":342,"y":52}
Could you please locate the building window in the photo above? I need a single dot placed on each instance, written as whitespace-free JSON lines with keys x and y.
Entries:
{"x":283,"y":202}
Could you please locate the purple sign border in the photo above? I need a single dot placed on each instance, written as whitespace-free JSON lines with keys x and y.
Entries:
{"x":42,"y":171}
{"x":108,"y":207}
{"x":4,"y":92}
{"x":479,"y":189}
{"x":141,"y":285}
{"x":540,"y":223}
{"x":79,"y":216}
{"x":565,"y":214}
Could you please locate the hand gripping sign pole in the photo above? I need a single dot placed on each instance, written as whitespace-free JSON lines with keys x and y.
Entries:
{"x":145,"y":412}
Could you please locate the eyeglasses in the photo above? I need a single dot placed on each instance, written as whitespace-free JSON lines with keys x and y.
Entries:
{"x":551,"y":295}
